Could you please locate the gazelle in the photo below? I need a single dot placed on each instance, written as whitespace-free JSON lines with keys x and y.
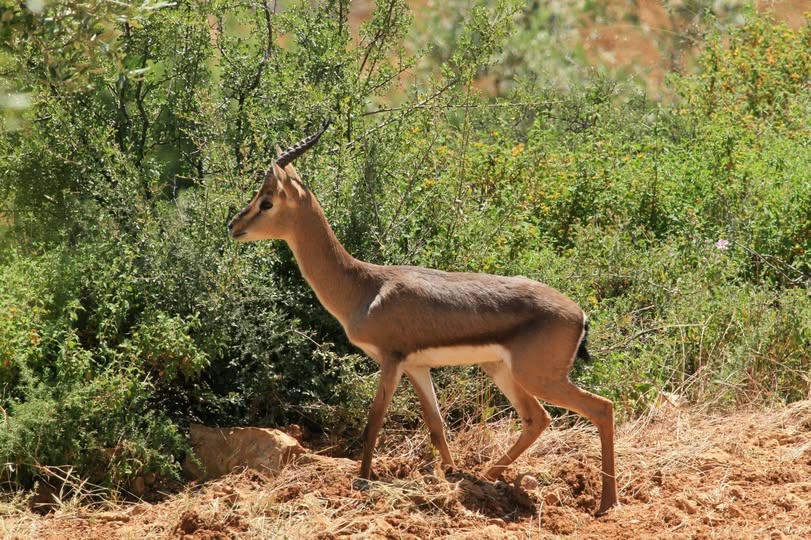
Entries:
{"x":522,"y":333}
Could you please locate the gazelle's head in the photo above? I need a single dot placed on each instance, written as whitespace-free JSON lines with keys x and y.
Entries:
{"x":272,"y":211}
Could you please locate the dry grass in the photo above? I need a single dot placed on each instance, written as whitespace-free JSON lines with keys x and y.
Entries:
{"x":682,"y":473}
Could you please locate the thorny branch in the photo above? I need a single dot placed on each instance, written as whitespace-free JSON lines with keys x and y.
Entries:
{"x":253,"y":84}
{"x":405,"y":112}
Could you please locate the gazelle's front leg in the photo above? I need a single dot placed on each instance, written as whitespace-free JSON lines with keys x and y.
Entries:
{"x":390,"y":373}
{"x":420,"y":377}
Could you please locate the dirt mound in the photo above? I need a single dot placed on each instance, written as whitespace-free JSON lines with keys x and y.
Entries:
{"x":682,"y":474}
{"x":193,"y":527}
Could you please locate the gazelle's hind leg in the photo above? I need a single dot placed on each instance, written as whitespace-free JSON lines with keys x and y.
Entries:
{"x":534,"y":419}
{"x":601,"y":413}
{"x":541,"y":362}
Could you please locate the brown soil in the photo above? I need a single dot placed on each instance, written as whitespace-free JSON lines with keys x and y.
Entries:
{"x":651,"y":38}
{"x":682,"y":474}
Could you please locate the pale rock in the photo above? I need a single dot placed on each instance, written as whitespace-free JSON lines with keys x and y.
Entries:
{"x":223,"y":450}
{"x":528,"y":483}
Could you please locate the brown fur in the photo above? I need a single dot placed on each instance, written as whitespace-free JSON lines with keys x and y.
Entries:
{"x":393,"y":312}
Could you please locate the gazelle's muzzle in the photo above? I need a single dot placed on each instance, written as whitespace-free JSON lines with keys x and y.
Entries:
{"x":233,"y":230}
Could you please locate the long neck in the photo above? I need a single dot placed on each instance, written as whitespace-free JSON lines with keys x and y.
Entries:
{"x":331,"y":271}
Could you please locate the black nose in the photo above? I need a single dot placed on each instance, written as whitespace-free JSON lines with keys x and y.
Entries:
{"x":231,"y":212}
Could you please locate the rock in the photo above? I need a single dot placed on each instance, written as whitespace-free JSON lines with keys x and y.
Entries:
{"x":735,"y":512}
{"x":711,"y":518}
{"x":189,"y":523}
{"x":686,"y":505}
{"x":137,"y":510}
{"x":736,"y":492}
{"x":527,"y":482}
{"x":489,"y":532}
{"x":221,"y":450}
{"x":110,"y":517}
{"x":297,"y":432}
{"x":552,"y":498}
{"x":715,"y":457}
{"x":788,"y":502}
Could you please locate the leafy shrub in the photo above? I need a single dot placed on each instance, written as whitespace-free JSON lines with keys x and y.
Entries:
{"x":65,"y":404}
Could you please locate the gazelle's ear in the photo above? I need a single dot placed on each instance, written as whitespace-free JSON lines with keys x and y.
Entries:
{"x":279,"y":174}
{"x":289,"y":183}
{"x":291,"y":172}
{"x":278,"y":150}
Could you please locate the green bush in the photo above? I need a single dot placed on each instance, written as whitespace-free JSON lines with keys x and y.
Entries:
{"x":64,"y":403}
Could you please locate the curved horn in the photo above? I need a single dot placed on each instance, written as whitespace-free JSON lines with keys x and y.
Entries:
{"x":302,"y":146}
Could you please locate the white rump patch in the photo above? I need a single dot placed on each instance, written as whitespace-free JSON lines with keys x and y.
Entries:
{"x":459,"y":355}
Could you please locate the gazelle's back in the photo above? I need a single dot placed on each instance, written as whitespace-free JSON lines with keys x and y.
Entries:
{"x":416,"y":308}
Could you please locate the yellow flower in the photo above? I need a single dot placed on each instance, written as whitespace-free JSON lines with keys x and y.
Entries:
{"x":518,"y":148}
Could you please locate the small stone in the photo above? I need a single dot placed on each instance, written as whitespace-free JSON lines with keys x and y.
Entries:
{"x":552,"y":498}
{"x":712,"y":519}
{"x":788,"y":502}
{"x":108,"y":517}
{"x":383,"y":526}
{"x":137,"y":510}
{"x":736,"y":492}
{"x":735,"y":512}
{"x":643,"y":496}
{"x":528,"y":483}
{"x":227,"y":494}
{"x":686,"y":505}
{"x":492,"y":531}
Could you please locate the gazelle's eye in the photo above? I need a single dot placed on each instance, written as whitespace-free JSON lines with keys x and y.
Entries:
{"x":265,"y":205}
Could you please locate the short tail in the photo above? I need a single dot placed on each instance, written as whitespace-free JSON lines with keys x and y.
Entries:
{"x":582,"y":351}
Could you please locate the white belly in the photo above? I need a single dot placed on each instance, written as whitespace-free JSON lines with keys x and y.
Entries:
{"x":458,"y":356}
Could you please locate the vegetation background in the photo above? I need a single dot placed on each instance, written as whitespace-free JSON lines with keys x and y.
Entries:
{"x":673,"y":202}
